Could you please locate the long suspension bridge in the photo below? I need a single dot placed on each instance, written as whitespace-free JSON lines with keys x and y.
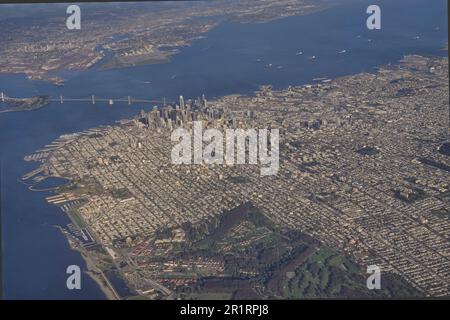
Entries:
{"x":93,"y":100}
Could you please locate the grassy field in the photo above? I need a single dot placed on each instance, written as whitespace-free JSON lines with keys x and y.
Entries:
{"x":77,"y":219}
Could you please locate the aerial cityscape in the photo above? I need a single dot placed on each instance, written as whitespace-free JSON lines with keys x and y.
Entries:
{"x":357,"y":124}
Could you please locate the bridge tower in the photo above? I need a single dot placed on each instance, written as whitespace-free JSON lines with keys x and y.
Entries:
{"x":61,"y":99}
{"x":129,"y":100}
{"x":3,"y":98}
{"x":93,"y":99}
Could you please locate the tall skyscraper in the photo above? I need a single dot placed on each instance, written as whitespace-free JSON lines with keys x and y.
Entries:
{"x":204,"y":102}
{"x":181,"y":102}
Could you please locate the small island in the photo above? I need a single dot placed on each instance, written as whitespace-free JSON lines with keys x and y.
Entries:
{"x":25,"y":104}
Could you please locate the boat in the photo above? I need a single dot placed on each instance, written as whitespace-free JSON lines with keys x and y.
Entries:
{"x":342,"y":51}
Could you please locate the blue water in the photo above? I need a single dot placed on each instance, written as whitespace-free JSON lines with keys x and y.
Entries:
{"x":35,"y":254}
{"x":48,"y":183}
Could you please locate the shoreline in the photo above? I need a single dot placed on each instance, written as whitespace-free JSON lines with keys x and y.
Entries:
{"x":91,"y":270}
{"x":159,"y":56}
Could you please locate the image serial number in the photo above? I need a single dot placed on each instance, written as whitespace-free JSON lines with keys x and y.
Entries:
{"x":246,"y":309}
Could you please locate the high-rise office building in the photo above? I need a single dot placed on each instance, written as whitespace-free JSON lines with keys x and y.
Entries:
{"x":181,"y":102}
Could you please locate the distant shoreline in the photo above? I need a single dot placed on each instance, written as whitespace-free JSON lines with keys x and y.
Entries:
{"x":160,"y":56}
